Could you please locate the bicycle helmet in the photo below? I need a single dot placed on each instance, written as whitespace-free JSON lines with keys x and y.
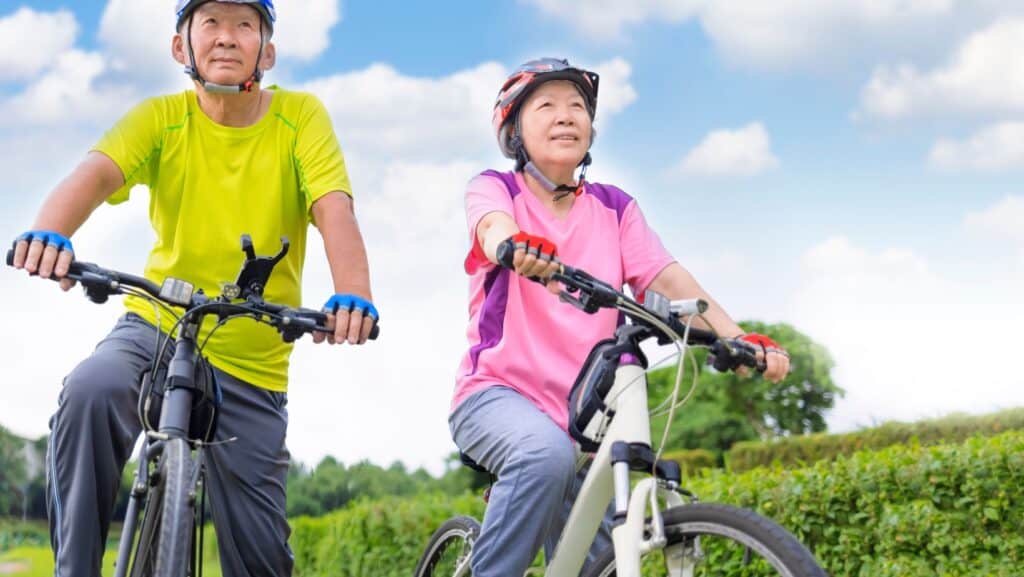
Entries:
{"x":514,"y":92}
{"x":264,"y":7}
{"x":184,"y":11}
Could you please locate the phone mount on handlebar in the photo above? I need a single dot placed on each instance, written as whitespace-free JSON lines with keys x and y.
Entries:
{"x":255,"y":273}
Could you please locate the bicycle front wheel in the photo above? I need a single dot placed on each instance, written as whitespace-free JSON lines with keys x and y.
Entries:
{"x":449,"y":549}
{"x":177,"y":519}
{"x":707,"y":539}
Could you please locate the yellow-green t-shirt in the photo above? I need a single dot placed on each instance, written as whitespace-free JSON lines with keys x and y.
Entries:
{"x":209,"y":184}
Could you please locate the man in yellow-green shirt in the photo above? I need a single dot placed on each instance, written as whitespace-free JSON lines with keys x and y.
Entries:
{"x":226,"y":159}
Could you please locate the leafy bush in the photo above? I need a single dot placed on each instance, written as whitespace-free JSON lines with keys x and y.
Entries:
{"x":691,"y":460}
{"x":383,"y":537}
{"x":811,"y":448}
{"x":17,"y":534}
{"x":946,"y":510}
{"x":939,"y":511}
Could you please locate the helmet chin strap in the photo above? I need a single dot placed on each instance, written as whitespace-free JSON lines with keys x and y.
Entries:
{"x":193,"y":71}
{"x":562,"y":190}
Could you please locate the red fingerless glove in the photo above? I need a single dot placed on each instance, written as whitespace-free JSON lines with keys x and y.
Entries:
{"x":767,"y":345}
{"x":538,"y":246}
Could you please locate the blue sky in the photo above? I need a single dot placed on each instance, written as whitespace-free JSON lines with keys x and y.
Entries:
{"x":850,"y":167}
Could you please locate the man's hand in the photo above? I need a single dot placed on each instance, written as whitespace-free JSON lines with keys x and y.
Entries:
{"x":45,"y":253}
{"x":350,"y":317}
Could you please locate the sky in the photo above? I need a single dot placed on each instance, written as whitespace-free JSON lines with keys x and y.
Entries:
{"x":852,"y":168}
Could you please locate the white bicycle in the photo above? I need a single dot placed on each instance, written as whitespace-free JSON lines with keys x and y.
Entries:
{"x":659,"y":528}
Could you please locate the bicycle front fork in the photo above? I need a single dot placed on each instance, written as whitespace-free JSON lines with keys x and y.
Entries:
{"x":631,"y":507}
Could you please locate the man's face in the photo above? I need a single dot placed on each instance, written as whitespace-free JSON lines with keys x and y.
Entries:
{"x":225,"y":40}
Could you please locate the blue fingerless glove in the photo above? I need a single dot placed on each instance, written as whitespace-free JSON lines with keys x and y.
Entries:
{"x":48,"y":238}
{"x":350,"y":303}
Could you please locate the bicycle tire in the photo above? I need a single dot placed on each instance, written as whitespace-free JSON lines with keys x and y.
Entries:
{"x":177,"y":519}
{"x":456,"y":535}
{"x":729,"y":539}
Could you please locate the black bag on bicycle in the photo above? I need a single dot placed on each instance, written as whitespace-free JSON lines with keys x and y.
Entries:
{"x":206,"y":400}
{"x":589,"y":416}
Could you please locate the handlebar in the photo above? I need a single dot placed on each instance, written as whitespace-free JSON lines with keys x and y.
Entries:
{"x":595,"y":294}
{"x":292,"y":322}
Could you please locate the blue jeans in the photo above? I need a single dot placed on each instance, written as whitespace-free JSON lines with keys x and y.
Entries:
{"x":535,"y":462}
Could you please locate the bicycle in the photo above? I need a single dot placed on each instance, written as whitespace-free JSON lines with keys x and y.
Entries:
{"x":610,"y":419}
{"x":182,"y":397}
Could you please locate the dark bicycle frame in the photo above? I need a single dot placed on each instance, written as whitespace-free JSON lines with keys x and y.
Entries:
{"x":179,"y":384}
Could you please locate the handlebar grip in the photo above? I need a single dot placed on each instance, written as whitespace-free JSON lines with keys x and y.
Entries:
{"x":10,"y":257}
{"x":506,"y":251}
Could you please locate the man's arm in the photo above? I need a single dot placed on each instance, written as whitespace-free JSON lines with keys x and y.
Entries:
{"x":65,"y":210}
{"x":334,"y":216}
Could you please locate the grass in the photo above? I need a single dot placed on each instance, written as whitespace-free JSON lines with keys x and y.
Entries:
{"x":38,"y":562}
{"x":27,"y":561}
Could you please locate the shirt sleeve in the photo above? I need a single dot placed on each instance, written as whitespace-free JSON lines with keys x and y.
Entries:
{"x":318,"y":155}
{"x":643,"y":254}
{"x":134,"y":143}
{"x":484,"y":195}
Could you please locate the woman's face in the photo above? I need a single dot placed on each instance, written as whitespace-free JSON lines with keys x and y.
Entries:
{"x":226,"y":42}
{"x":556,"y":125}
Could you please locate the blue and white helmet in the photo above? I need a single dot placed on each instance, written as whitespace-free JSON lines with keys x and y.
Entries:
{"x":264,"y":7}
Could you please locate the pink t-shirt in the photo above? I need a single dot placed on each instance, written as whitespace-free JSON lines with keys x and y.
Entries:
{"x":520,"y":335}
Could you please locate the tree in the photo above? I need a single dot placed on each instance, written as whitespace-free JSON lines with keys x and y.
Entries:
{"x":727,"y":408}
{"x":13,"y":476}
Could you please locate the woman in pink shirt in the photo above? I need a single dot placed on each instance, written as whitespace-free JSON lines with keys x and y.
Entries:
{"x":510,"y":409}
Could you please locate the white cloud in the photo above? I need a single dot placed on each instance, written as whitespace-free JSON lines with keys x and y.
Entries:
{"x":378,"y":111}
{"x":136,"y":37}
{"x":615,"y":91}
{"x":996,"y":147}
{"x":744,"y":151}
{"x":895,"y":328}
{"x":30,"y":41}
{"x":606,"y":18}
{"x":794,"y":33}
{"x":69,"y":93}
{"x":809,"y":32}
{"x":985,"y":74}
{"x":303,"y":28}
{"x":1004,"y":220}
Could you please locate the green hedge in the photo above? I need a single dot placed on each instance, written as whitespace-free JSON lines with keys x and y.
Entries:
{"x":807,"y":449}
{"x":383,"y":537}
{"x":940,"y":511}
{"x":943,"y":511}
{"x":691,"y":460}
{"x":22,"y":534}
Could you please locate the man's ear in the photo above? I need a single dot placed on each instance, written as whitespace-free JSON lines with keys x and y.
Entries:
{"x":269,"y":57}
{"x":178,"y":50}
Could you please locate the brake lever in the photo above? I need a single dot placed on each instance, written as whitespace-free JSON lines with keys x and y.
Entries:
{"x":725,"y":356}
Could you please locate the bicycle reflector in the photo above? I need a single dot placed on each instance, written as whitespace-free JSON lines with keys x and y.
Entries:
{"x":176,"y":291}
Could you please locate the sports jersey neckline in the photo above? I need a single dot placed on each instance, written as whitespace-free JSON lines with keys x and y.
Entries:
{"x":542,"y":209}
{"x":234,"y":131}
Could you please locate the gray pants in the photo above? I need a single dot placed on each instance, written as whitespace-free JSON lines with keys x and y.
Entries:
{"x":535,"y":462}
{"x":92,"y":436}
